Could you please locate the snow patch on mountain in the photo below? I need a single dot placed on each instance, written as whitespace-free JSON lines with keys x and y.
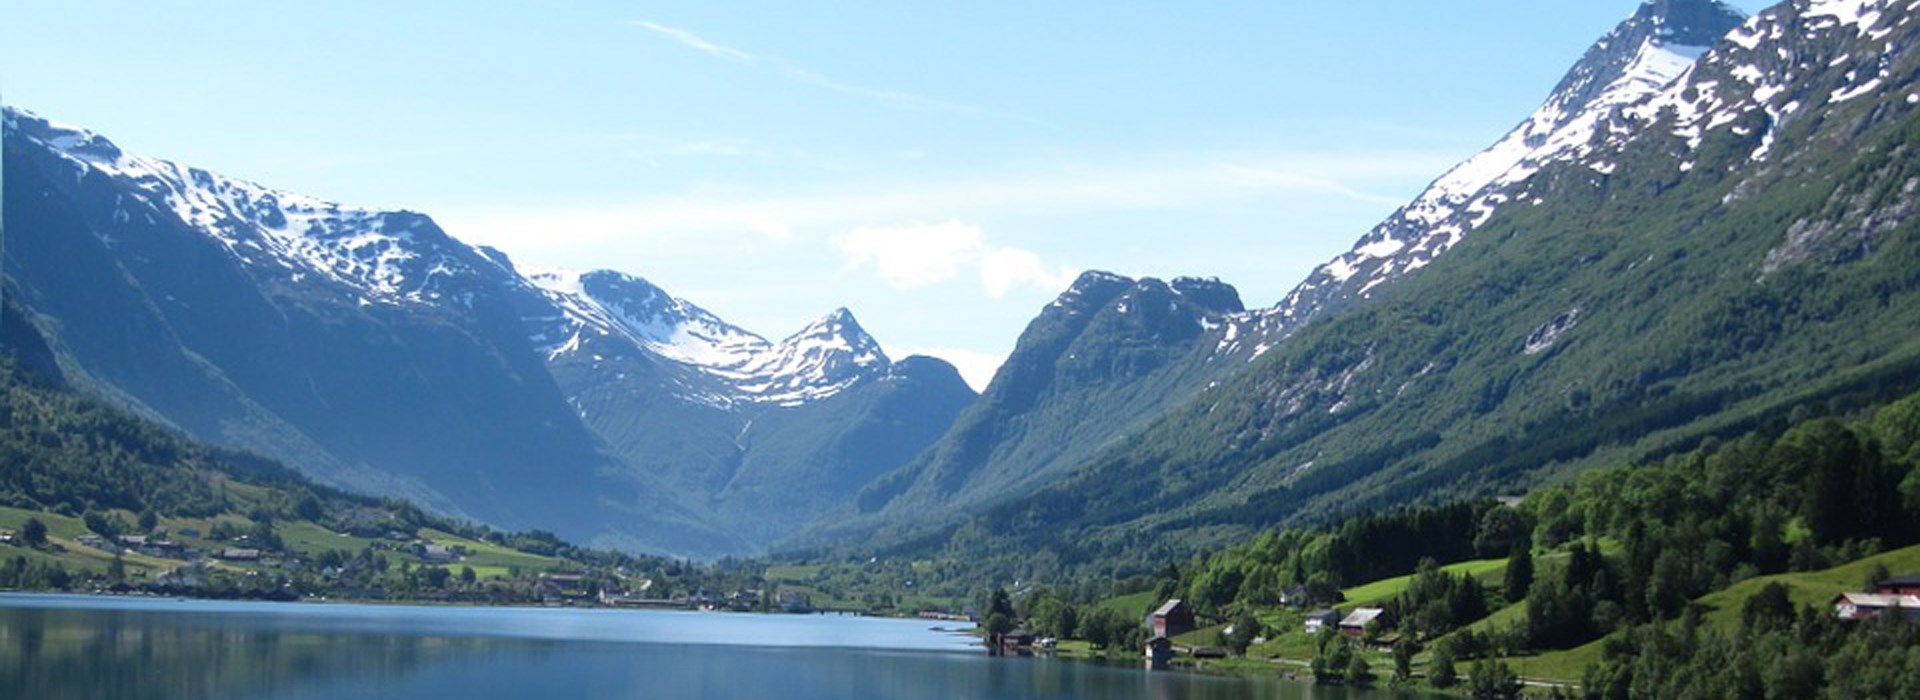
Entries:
{"x":1757,"y":71}
{"x":823,"y":359}
{"x":383,"y":257}
{"x":1652,"y":50}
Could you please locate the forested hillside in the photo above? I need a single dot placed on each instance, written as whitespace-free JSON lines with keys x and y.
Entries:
{"x":93,"y":498}
{"x":1706,"y":574}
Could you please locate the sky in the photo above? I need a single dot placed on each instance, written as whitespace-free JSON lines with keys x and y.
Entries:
{"x":943,"y":170}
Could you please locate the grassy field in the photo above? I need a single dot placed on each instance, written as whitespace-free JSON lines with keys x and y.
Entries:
{"x":1487,"y":570}
{"x":1134,"y":606}
{"x":1559,"y":666}
{"x":312,"y":540}
{"x":1808,"y":588}
{"x":65,"y":532}
{"x":793,"y":574}
{"x":491,"y":560}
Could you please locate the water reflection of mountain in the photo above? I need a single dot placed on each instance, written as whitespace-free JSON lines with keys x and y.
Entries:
{"x":50,"y":654}
{"x":58,"y":648}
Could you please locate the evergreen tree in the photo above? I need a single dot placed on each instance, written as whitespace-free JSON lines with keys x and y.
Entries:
{"x":1245,"y":628}
{"x":1358,"y":672}
{"x":1440,"y":671}
{"x":1403,"y":662}
{"x":34,"y":532}
{"x":1492,"y":680}
{"x":1519,"y":571}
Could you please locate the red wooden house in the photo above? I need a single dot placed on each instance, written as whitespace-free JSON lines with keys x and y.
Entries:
{"x":1173,"y":619}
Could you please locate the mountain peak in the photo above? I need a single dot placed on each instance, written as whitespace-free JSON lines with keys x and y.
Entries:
{"x":362,"y":255}
{"x":1689,"y":22}
{"x":1641,"y":57}
{"x":839,"y":316}
{"x":823,"y":359}
{"x":1210,"y":293}
{"x":839,"y":324}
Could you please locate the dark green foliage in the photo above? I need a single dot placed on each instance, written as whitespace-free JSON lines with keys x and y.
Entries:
{"x":1492,"y":680}
{"x":1358,"y":671}
{"x":1336,"y":659}
{"x":1403,"y":662}
{"x":1436,"y":602}
{"x":1519,"y":576}
{"x":1051,"y":616}
{"x":1001,"y":604}
{"x":1440,"y":671}
{"x":100,"y":524}
{"x":1769,"y":608}
{"x":34,"y":532}
{"x":1799,"y":655}
{"x":1246,"y":627}
{"x":1875,"y":575}
{"x":18,"y":573}
{"x":1109,"y":629}
{"x":1501,"y":530}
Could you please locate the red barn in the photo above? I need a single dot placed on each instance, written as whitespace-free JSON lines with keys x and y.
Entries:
{"x":1173,"y":619}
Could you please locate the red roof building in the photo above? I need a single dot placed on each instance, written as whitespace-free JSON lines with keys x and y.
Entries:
{"x":1174,"y":618}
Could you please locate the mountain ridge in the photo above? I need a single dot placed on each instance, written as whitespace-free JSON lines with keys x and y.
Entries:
{"x":1639,"y":57}
{"x":1709,"y":262}
{"x":379,"y":353}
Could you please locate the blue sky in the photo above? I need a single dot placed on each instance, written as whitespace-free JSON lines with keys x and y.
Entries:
{"x":941,"y":169}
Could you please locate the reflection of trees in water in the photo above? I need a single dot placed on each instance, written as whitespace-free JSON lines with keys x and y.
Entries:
{"x":50,"y":654}
{"x":57,"y":654}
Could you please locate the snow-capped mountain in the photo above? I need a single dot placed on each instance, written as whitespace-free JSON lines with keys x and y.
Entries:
{"x":376,"y":352}
{"x":1728,"y":249}
{"x":827,"y":357}
{"x":1755,"y":82}
{"x":1640,"y":59}
{"x":377,"y":257}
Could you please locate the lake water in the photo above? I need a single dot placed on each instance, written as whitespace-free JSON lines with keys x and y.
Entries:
{"x":54,"y":647}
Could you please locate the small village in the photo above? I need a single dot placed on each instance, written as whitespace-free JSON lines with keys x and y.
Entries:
{"x":1372,"y":629}
{"x":297,"y":561}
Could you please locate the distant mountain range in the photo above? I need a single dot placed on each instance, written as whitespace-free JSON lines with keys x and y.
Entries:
{"x":378,"y":353}
{"x":1705,"y":224}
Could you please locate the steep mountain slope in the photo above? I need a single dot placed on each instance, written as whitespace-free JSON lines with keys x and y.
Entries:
{"x":1109,"y":354}
{"x":762,"y":436}
{"x":997,"y":449}
{"x":354,"y":343}
{"x":1641,"y":57}
{"x":378,"y":353}
{"x":1733,"y":246}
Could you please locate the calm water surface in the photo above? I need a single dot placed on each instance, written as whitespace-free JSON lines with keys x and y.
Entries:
{"x":91,"y":647}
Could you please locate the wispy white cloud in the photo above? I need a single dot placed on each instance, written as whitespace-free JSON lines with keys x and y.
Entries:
{"x":919,"y":255}
{"x":912,"y":256}
{"x":693,"y":41}
{"x":1003,"y":270}
{"x":781,"y":218}
{"x":798,"y":74}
